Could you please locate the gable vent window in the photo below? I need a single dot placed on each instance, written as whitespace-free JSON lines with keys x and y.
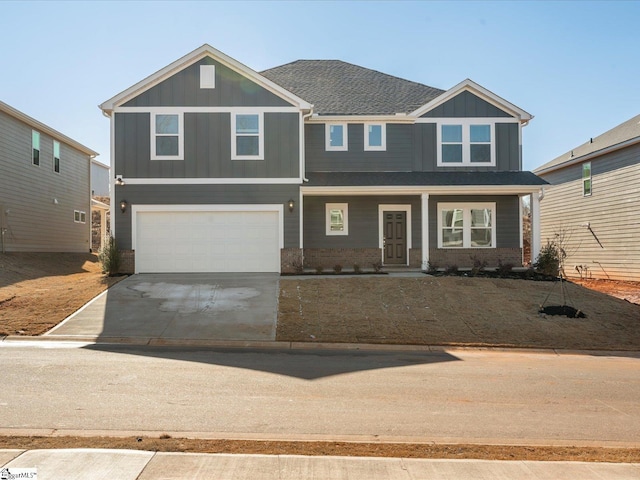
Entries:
{"x":166,"y":136}
{"x":207,"y":76}
{"x":56,"y":156}
{"x":35,"y":147}
{"x":586,"y":179}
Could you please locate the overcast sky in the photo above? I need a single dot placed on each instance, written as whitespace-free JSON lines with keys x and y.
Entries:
{"x":574,"y":65}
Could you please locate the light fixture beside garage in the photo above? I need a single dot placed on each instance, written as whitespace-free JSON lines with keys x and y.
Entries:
{"x":123,"y":206}
{"x":291,"y":204}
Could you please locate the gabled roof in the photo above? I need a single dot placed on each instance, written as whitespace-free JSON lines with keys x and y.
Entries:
{"x":479,"y":91}
{"x":335,"y":87}
{"x":41,"y":127}
{"x":189,"y":59}
{"x":623,"y":135}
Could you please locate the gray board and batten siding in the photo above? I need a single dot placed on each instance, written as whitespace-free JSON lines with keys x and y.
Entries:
{"x":610,"y":249}
{"x":34,"y":222}
{"x":466,"y":104}
{"x":409,"y":148}
{"x":182,"y":89}
{"x":207,"y":148}
{"x":207,"y":195}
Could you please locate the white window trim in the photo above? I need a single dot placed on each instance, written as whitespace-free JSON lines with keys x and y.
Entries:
{"x":327,"y":214}
{"x":207,"y":76}
{"x":383,"y":133}
{"x":33,"y":147}
{"x":53,"y":156}
{"x":345,"y":137}
{"x":154,"y":155}
{"x":234,"y":153}
{"x":584,"y":194}
{"x":466,"y":223}
{"x":78,"y":216}
{"x":466,"y":141}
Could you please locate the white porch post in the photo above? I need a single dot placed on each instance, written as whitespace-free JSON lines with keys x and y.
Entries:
{"x":103,"y":227}
{"x":535,"y":226}
{"x":425,"y":230}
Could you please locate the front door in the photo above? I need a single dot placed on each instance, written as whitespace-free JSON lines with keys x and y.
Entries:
{"x":395,"y":238}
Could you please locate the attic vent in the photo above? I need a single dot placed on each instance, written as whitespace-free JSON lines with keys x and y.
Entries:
{"x":207,"y":76}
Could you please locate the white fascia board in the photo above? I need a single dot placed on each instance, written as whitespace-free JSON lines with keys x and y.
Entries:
{"x":206,"y":109}
{"x":210,"y":181}
{"x":418,"y":190}
{"x":95,"y":204}
{"x":189,"y":59}
{"x":41,"y":127}
{"x":478,"y":90}
{"x":398,"y":118}
{"x":100,"y":164}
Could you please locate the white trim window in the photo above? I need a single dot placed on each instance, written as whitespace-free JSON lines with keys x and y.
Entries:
{"x":35,"y":147}
{"x":586,"y":179}
{"x":337,"y":218}
{"x":247,"y":136}
{"x":79,"y":216}
{"x":56,"y":156}
{"x":466,"y":225}
{"x":463,"y":142}
{"x":336,"y":137}
{"x":375,"y":136}
{"x":167,"y":136}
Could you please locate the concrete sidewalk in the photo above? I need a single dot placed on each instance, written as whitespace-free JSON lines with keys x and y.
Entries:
{"x":96,"y":464}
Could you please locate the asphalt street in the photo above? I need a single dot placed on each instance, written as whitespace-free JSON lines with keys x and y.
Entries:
{"x":453,"y":396}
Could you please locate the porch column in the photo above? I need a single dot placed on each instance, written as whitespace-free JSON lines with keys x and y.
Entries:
{"x":535,"y":226}
{"x":425,"y":230}
{"x":103,"y":227}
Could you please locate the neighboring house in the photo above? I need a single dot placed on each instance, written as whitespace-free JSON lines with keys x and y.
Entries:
{"x":100,"y":201}
{"x":219,"y":168}
{"x":592,"y":207}
{"x":45,"y":196}
{"x":99,"y":179}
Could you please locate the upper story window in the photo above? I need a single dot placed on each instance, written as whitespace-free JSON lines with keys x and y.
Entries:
{"x":167,"y":137}
{"x":337,"y":218}
{"x":466,"y":225}
{"x":336,"y":136}
{"x":375,"y":136}
{"x":586,"y":179}
{"x":56,"y":156}
{"x":35,"y":147}
{"x":466,"y":143}
{"x":247,"y":132}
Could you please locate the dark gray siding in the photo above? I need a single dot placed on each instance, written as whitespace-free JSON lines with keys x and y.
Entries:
{"x":426,"y":151}
{"x":183,"y":89}
{"x":507,"y":146}
{"x":35,"y":222}
{"x":397,"y":157}
{"x":363,"y":221}
{"x":206,"y":195}
{"x":507,"y":217}
{"x":466,"y":104}
{"x":207,"y":148}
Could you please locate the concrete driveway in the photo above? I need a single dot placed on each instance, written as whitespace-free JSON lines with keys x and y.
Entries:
{"x":213,"y":306}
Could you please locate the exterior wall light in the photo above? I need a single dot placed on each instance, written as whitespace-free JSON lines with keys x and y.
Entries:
{"x":123,"y":206}
{"x":291,"y":204}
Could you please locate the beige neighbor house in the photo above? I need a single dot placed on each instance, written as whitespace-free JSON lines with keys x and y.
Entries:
{"x":592,"y":205}
{"x":45,"y":191}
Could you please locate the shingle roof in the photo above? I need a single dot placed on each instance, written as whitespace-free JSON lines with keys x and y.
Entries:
{"x":624,"y":132}
{"x":335,"y":87}
{"x":384,"y":179}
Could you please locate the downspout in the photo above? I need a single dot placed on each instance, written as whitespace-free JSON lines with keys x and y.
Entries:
{"x":303,"y":164}
{"x":303,"y":146}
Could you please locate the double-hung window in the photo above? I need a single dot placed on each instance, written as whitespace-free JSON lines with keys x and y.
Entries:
{"x":336,"y":137}
{"x":337,"y":218}
{"x":375,"y":136}
{"x":79,"y":216}
{"x":167,"y":138}
{"x":56,"y":156}
{"x":35,"y":147}
{"x":247,"y":132}
{"x":586,"y":179}
{"x":467,"y":143}
{"x":469,"y":225}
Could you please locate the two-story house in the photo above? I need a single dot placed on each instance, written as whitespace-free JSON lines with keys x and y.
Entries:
{"x":216,"y":168}
{"x":45,"y":194}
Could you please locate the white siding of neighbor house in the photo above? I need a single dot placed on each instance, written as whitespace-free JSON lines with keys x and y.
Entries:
{"x":99,"y":180}
{"x":31,"y":219}
{"x":612,"y":211}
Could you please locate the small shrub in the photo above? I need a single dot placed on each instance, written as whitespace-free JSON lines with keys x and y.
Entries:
{"x":451,"y":269}
{"x":478,"y":266}
{"x":298,"y":267}
{"x":356,"y":268}
{"x":319,"y":269}
{"x":337,"y":268}
{"x":377,"y":267}
{"x":504,"y":269}
{"x":548,"y":261}
{"x":110,"y":257}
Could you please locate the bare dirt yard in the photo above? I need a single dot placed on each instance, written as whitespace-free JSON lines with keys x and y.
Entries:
{"x":453,"y":310}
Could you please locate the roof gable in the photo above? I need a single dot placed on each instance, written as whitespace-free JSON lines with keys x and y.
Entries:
{"x":205,"y":51}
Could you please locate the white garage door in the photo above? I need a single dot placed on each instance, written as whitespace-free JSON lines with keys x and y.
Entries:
{"x":218,"y":241}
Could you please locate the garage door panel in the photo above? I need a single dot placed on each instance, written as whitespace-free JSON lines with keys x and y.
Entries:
{"x":207,"y":241}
